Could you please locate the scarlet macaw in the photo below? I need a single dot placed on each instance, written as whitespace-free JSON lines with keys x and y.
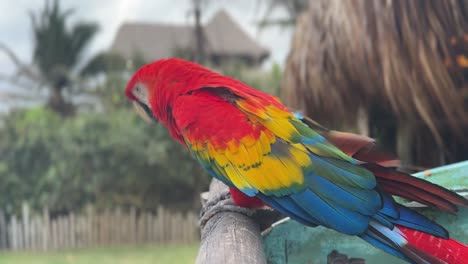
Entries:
{"x":263,"y":151}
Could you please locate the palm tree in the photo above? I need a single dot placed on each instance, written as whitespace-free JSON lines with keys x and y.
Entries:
{"x":58,"y":50}
{"x":293,"y":9}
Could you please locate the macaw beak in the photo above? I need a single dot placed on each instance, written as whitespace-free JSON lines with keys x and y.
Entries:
{"x":145,"y":112}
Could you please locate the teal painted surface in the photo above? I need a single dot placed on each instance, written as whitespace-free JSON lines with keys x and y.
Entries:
{"x":291,"y":242}
{"x":453,"y":177}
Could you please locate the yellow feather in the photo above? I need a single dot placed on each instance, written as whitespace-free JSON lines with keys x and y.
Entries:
{"x":249,"y":163}
{"x":219,"y":158}
{"x":300,"y":156}
{"x":265,"y":141}
{"x":252,"y":108}
{"x":238,"y":158}
{"x":274,"y":169}
{"x":233,"y":145}
{"x":248,"y":140}
{"x":236,"y":178}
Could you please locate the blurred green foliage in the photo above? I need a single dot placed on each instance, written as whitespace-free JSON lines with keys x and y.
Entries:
{"x":107,"y":157}
{"x":94,"y":158}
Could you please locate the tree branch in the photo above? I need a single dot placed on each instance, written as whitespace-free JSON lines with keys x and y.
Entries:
{"x":22,"y":68}
{"x":228,"y":234}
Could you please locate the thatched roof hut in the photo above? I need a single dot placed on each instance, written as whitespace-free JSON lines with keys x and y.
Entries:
{"x":224,"y":38}
{"x":404,"y":63}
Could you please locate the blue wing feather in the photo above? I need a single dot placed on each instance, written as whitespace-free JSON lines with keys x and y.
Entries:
{"x":366,"y":202}
{"x":331,"y":215}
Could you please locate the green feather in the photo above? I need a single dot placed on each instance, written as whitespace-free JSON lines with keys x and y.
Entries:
{"x":342,"y":172}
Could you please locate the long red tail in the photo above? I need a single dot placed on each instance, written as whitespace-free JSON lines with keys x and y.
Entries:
{"x":448,"y":250}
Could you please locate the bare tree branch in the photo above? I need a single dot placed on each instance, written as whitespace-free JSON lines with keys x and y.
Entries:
{"x":22,"y":68}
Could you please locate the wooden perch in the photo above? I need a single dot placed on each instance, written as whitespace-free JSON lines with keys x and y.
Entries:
{"x":228,"y":234}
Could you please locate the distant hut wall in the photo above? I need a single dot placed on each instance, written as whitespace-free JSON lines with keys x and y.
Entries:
{"x":398,"y":63}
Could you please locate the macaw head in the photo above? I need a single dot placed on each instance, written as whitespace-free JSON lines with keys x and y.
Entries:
{"x":138,"y":90}
{"x":155,"y":86}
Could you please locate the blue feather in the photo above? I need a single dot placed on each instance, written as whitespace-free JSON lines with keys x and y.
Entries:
{"x":312,"y":141}
{"x":389,"y":208}
{"x":384,"y":220}
{"x":288,"y":208}
{"x":383,"y":245}
{"x":412,"y":219}
{"x":331,"y":215}
{"x":366,"y":202}
{"x":298,"y":115}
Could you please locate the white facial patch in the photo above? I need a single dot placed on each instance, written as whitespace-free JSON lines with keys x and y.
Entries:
{"x":141,"y":93}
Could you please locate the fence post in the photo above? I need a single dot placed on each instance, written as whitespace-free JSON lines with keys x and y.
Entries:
{"x":15,"y":233}
{"x":25,"y":216}
{"x":3,"y":231}
{"x":132,"y":225}
{"x":45,"y":229}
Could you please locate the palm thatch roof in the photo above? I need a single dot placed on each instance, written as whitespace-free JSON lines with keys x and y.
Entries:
{"x":226,"y":37}
{"x":407,"y":57}
{"x":223,"y":38}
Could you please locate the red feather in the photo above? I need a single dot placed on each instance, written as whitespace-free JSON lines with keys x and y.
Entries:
{"x":418,"y":195}
{"x":361,"y":148}
{"x":410,"y":187}
{"x":448,"y":250}
{"x":243,"y":200}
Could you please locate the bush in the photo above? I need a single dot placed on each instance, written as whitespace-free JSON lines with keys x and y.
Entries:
{"x":95,"y":158}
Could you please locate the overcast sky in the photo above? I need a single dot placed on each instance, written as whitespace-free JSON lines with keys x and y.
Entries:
{"x":15,"y":27}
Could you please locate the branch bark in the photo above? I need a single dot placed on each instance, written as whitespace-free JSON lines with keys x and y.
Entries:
{"x":228,"y":233}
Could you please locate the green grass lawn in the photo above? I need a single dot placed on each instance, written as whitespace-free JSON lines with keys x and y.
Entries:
{"x":109,"y":255}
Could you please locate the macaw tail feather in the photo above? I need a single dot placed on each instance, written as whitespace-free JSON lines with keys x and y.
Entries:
{"x":359,"y":147}
{"x":397,"y":183}
{"x":448,"y":250}
{"x":415,"y":246}
{"x":412,"y":188}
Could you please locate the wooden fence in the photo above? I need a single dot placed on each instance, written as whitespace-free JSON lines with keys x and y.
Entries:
{"x":110,"y":227}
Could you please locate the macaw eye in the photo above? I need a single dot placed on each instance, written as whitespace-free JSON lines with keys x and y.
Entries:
{"x":137,"y":90}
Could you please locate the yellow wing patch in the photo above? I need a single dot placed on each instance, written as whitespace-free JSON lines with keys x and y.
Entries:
{"x":272,"y":117}
{"x":273,"y":161}
{"x":254,"y":165}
